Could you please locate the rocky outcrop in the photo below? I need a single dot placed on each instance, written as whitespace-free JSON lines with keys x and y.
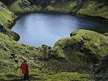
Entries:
{"x":84,"y":47}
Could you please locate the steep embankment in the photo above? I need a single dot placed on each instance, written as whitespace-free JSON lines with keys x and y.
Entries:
{"x":95,"y":8}
{"x":6,"y":16}
{"x":7,"y":19}
{"x":84,"y":47}
{"x":86,"y":7}
{"x":96,"y":43}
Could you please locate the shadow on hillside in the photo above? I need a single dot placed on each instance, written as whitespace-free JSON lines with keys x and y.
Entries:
{"x":12,"y":77}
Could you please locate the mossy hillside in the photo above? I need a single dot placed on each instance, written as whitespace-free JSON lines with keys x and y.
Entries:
{"x":95,"y":8}
{"x":63,"y":76}
{"x":6,"y":17}
{"x":79,"y":52}
{"x":20,"y":7}
{"x":66,"y":76}
{"x":67,"y":7}
{"x":88,"y":7}
{"x":8,"y":65}
{"x":87,"y":43}
{"x":8,"y":46}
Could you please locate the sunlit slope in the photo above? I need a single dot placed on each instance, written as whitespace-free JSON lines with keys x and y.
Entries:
{"x":41,"y":66}
{"x":6,"y":17}
{"x":87,"y":7}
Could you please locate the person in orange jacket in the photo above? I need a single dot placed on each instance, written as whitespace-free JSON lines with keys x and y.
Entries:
{"x":24,"y":69}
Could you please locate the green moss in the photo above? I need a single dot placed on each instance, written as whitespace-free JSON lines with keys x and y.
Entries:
{"x":63,"y":76}
{"x":92,"y":42}
{"x":6,"y":17}
{"x":66,"y":7}
{"x":90,"y":7}
{"x":93,"y":8}
{"x":8,"y":46}
{"x":19,"y":7}
{"x":66,"y":76}
{"x":37,"y":67}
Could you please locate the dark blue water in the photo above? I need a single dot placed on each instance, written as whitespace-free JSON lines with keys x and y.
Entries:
{"x":37,"y":29}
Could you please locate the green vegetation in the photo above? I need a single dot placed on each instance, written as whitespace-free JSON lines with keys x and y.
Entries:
{"x":66,"y":76}
{"x":69,"y":60}
{"x":6,"y":17}
{"x":82,"y":50}
{"x":63,"y":76}
{"x":95,"y":43}
{"x":89,"y":7}
{"x":64,"y":57}
{"x":95,"y":8}
{"x":19,"y":7}
{"x":40,"y":68}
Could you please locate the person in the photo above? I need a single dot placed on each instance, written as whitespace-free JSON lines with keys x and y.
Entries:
{"x":24,"y":69}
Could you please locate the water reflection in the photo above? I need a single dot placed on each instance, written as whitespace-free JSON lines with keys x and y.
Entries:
{"x":38,"y":29}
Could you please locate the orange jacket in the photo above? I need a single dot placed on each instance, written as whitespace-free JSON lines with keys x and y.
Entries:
{"x":24,"y":68}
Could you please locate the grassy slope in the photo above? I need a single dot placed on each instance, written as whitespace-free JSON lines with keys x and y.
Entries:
{"x":8,"y":67}
{"x":93,"y":8}
{"x":40,"y":70}
{"x":6,"y":17}
{"x":90,"y":7}
{"x":97,"y":43}
{"x":16,"y":8}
